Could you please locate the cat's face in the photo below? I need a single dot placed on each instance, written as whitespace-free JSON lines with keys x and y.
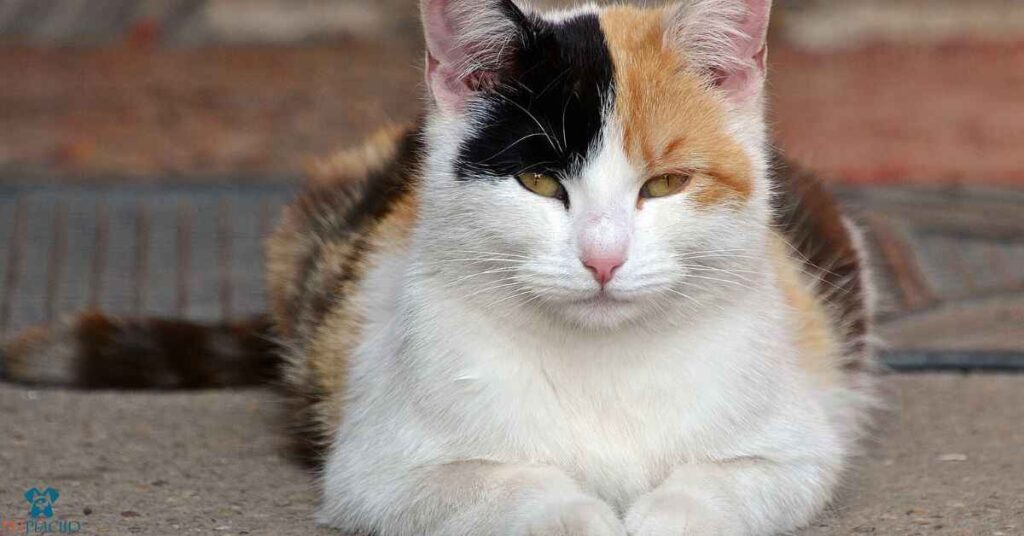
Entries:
{"x":603,"y":166}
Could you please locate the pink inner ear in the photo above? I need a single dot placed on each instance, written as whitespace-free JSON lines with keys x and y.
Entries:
{"x":755,"y":27}
{"x":751,"y":50}
{"x":465,"y":40}
{"x":740,"y":85}
{"x":443,"y":56}
{"x":448,"y":89}
{"x":448,"y":54}
{"x":438,"y":32}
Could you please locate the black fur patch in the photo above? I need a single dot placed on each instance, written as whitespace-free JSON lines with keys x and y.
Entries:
{"x":341,"y":213}
{"x":546,"y":112}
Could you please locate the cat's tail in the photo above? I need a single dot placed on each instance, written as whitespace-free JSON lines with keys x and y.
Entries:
{"x":95,"y":351}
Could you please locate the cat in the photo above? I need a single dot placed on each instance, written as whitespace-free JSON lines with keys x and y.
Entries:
{"x":581,"y":296}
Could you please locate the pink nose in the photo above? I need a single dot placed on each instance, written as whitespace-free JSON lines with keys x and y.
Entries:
{"x":603,"y":268}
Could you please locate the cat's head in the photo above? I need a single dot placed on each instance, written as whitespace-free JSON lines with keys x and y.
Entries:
{"x":600,"y":164}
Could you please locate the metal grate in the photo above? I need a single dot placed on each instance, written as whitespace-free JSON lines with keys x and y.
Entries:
{"x":170,"y":251}
{"x":950,"y":267}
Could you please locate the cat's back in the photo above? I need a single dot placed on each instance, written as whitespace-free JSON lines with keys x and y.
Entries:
{"x":355,"y":204}
{"x":326,"y":231}
{"x":827,"y":248}
{"x":823,"y":273}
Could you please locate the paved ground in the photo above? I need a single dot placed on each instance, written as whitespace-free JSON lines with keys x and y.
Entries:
{"x":948,"y":461}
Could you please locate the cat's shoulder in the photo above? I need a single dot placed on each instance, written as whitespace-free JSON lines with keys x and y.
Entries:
{"x":827,"y":245}
{"x":352,"y":201}
{"x":360,"y":183}
{"x":356,"y":164}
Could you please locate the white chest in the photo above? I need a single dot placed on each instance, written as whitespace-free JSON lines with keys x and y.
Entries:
{"x":615,"y":414}
{"x":445,"y":383}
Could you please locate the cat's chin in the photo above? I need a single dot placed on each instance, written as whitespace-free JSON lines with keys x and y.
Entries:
{"x":601,"y":311}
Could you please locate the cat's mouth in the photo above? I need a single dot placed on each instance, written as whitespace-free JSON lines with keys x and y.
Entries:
{"x":602,"y":309}
{"x":604,"y":298}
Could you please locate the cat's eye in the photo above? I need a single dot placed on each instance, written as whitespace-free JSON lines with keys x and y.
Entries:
{"x":543,"y":185}
{"x":665,"y":185}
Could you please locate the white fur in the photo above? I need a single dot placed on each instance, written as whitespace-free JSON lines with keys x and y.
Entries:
{"x":496,"y":392}
{"x":483,"y":32}
{"x":564,"y":14}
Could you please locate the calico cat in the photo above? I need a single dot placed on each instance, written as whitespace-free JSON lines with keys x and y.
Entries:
{"x":582,"y":296}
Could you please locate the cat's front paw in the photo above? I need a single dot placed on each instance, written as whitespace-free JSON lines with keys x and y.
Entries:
{"x":570,"y":516}
{"x":674,"y":513}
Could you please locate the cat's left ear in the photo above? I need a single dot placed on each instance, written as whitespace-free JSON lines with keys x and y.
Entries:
{"x":469,"y":44}
{"x":724,"y":39}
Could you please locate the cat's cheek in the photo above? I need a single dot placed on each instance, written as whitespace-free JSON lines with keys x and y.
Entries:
{"x":539,"y":226}
{"x":669,"y":225}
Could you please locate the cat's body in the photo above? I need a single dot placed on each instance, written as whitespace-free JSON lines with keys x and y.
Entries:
{"x":757,"y":375}
{"x":488,"y":330}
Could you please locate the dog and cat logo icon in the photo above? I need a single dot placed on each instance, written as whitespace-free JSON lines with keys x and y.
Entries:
{"x":42,"y":502}
{"x":40,"y":518}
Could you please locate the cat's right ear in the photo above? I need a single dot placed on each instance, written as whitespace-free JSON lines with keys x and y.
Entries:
{"x":469,"y":43}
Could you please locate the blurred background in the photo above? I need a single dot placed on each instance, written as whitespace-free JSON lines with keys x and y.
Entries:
{"x":912,"y":109}
{"x":147,"y":145}
{"x":876,"y":91}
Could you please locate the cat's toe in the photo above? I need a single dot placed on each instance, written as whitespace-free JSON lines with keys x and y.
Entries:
{"x":664,"y":513}
{"x":573,"y":516}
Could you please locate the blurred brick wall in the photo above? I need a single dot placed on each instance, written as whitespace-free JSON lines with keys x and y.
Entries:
{"x":807,"y":23}
{"x":950,"y":112}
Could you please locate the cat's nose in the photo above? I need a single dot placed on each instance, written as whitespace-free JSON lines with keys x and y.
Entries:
{"x":603,"y":267}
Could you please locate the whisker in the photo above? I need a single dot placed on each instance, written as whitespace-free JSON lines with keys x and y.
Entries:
{"x":723,"y":270}
{"x":493,"y":253}
{"x":540,"y":125}
{"x":473,"y":260}
{"x":565,"y":109}
{"x":491,"y":288}
{"x":511,"y":296}
{"x":684,"y":295}
{"x":510,"y":146}
{"x":729,"y":281}
{"x":485,"y":272}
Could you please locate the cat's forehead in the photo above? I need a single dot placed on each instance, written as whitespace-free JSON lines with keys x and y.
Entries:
{"x":580,"y":70}
{"x":552,"y":103}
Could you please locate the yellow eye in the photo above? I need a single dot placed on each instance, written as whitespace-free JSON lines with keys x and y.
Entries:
{"x":665,"y":185}
{"x":542,"y":184}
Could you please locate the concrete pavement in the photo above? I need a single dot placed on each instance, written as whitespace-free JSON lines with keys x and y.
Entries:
{"x":948,"y":460}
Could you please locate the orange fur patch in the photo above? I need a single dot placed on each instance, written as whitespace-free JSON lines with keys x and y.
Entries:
{"x":671,"y":121}
{"x":820,"y":349}
{"x":355,"y":164}
{"x":338,"y":335}
{"x":317,"y":258}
